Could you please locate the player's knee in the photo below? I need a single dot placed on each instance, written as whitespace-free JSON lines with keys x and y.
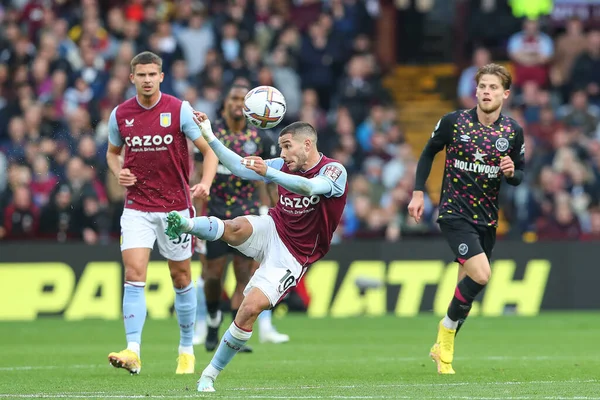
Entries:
{"x":180,"y":273}
{"x":135,"y":272}
{"x":478,"y":268}
{"x":237,"y":231}
{"x":482,"y":275}
{"x":181,"y":279}
{"x":248,"y":312}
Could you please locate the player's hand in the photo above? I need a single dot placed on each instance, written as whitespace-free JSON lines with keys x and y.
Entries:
{"x":126,"y":178}
{"x":256,"y":164}
{"x":200,"y":191}
{"x":203,"y":123}
{"x":507,"y":166}
{"x":416,"y":206}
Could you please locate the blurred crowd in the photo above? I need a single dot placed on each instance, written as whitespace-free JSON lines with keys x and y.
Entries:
{"x":64,"y":65}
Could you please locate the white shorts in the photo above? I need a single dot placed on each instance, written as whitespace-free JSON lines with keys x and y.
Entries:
{"x":279,"y":271}
{"x":140,"y":229}
{"x":200,"y":246}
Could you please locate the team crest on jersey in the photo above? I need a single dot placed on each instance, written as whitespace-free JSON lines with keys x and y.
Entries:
{"x":165,"y":120}
{"x":249,"y":147}
{"x":502,"y":144}
{"x":332,"y":172}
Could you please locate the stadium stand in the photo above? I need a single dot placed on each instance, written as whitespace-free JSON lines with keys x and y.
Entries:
{"x":65,"y":65}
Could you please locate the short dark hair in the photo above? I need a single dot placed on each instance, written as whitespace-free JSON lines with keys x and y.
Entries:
{"x":495,"y":69}
{"x":146,"y":57}
{"x":238,"y":86}
{"x":300,"y":128}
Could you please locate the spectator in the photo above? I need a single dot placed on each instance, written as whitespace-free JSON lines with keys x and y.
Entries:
{"x":586,"y":73}
{"x":21,"y":216}
{"x":195,"y":41}
{"x":569,"y":46}
{"x":579,"y":113}
{"x":43,"y":181}
{"x":57,"y":217}
{"x":543,"y":131}
{"x":531,"y":51}
{"x":286,"y":78}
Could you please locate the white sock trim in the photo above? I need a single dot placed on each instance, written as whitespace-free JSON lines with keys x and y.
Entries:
{"x":185,"y":289}
{"x":214,"y":322}
{"x":211,"y":371}
{"x":186,"y":350}
{"x":135,"y":347}
{"x":136,"y":284}
{"x":189,"y":224}
{"x":450,"y":324}
{"x":238,"y":333}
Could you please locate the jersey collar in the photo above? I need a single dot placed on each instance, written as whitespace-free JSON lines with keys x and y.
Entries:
{"x":153,"y":105}
{"x":318,"y":162}
{"x":473,"y":113}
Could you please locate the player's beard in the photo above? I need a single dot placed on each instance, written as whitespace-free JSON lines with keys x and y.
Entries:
{"x":299,"y":163}
{"x":236,"y":115}
{"x":489,"y":107}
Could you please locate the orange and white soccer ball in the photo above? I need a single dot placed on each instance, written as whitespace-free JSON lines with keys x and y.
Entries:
{"x":264,"y":107}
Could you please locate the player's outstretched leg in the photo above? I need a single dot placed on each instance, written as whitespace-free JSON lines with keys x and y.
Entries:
{"x":235,"y":337}
{"x":200,"y":325}
{"x":207,"y":228}
{"x":134,"y":316}
{"x":267,"y":332}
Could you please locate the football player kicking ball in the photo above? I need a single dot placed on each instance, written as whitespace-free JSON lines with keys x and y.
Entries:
{"x":154,"y":128}
{"x":293,"y":235}
{"x":482,"y":147}
{"x":230,"y":197}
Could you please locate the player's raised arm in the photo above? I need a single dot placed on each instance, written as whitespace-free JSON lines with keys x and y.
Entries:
{"x":228,"y":158}
{"x":331,"y":181}
{"x":298,"y":142}
{"x":513,"y":166}
{"x":113,"y":154}
{"x":210,"y":160}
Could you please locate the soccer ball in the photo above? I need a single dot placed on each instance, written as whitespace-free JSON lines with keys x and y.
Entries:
{"x":264,"y":107}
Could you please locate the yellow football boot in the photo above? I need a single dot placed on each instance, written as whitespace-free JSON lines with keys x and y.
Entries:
{"x":186,"y":364}
{"x":126,"y":359}
{"x":442,"y":352}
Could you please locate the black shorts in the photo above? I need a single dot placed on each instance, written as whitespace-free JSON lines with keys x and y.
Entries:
{"x":219,"y":248}
{"x":467,"y":240}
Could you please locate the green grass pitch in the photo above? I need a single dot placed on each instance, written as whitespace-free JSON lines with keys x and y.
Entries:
{"x":552,"y":356}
